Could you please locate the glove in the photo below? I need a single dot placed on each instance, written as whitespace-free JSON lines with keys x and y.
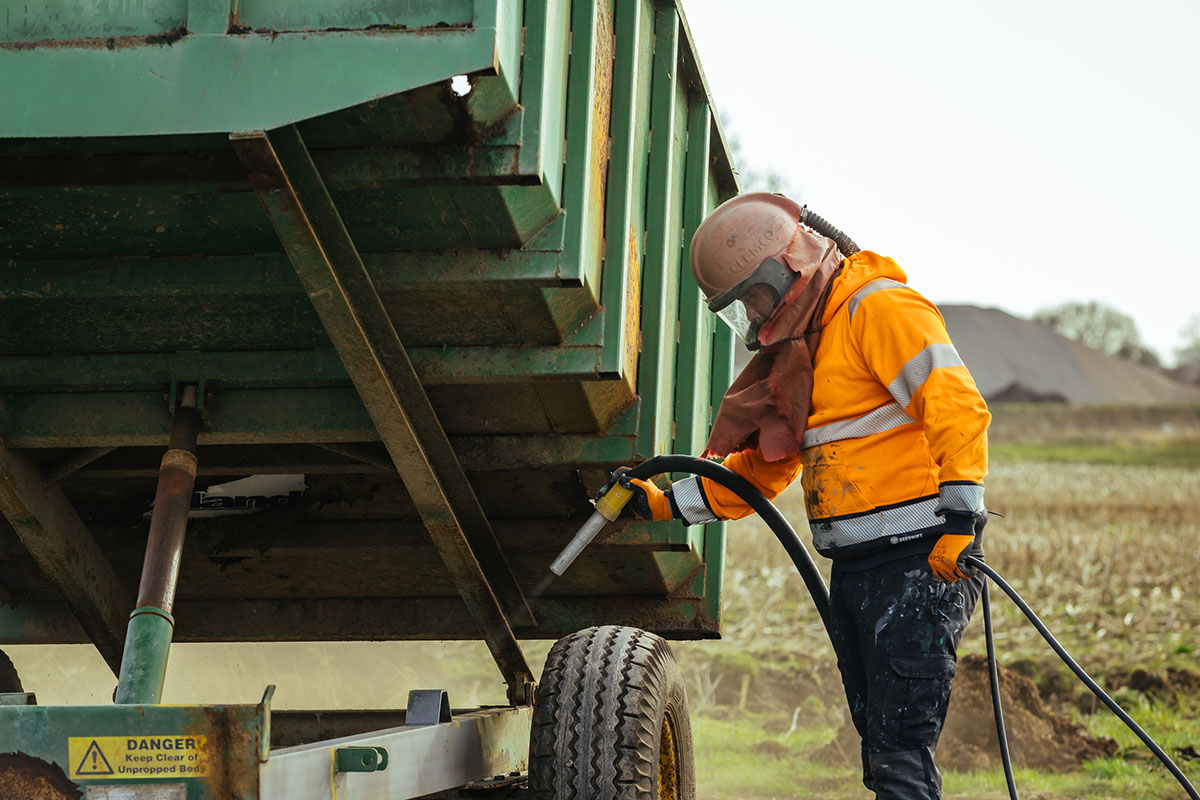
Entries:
{"x":949,"y":557}
{"x":648,"y":501}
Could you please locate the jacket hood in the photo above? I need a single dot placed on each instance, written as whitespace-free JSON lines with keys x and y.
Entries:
{"x":858,"y":270}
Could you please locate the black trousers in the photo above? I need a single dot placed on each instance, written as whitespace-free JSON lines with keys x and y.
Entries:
{"x":896,"y":630}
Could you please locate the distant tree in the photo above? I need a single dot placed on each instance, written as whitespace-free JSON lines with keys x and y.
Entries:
{"x":1140,"y":354}
{"x":1100,"y":327}
{"x":1187,"y":358}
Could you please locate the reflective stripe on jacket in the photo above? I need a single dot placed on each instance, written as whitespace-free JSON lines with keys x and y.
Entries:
{"x":897,"y":431}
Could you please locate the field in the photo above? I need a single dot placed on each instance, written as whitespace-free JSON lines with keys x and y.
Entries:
{"x":1100,"y":535}
{"x":1106,"y":552}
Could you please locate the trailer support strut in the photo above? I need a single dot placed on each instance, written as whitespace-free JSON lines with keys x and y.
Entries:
{"x":345,"y":298}
{"x":62,"y":547}
{"x":151,"y":626}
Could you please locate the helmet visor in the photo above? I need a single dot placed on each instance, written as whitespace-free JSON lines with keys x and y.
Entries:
{"x":746,"y":329}
{"x":748,"y":305}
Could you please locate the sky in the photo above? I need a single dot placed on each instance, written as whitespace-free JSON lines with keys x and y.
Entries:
{"x":1016,"y":155}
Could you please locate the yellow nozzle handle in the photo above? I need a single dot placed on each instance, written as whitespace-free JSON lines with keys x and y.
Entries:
{"x":611,"y":503}
{"x":608,"y":507}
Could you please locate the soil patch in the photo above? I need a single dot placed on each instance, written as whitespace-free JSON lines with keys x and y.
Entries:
{"x":1037,"y":736}
{"x":1057,"y":686}
{"x":25,"y":776}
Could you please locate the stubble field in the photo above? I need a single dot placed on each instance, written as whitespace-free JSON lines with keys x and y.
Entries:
{"x":1108,"y":554}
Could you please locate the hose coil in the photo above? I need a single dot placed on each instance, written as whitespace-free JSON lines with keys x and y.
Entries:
{"x":819,"y":224}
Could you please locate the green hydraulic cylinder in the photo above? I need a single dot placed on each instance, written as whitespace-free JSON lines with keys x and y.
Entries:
{"x":148,"y":638}
{"x":144,"y":662}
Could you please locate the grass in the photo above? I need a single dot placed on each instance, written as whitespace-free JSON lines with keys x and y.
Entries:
{"x":740,"y":758}
{"x":1171,"y":454}
{"x":1103,"y":779}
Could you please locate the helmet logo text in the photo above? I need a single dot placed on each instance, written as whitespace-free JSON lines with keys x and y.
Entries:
{"x":749,"y":256}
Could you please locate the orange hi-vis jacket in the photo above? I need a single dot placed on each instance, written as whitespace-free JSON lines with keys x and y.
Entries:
{"x":897,"y":431}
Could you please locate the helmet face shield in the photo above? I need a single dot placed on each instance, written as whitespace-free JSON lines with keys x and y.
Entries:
{"x":734,"y":315}
{"x":745,"y":307}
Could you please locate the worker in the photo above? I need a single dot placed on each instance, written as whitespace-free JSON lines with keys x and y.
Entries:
{"x":856,"y":389}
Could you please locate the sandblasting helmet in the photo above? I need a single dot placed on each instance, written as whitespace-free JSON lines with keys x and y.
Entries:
{"x":737,"y":258}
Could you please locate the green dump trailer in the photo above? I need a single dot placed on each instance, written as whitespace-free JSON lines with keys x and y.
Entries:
{"x":369,"y":297}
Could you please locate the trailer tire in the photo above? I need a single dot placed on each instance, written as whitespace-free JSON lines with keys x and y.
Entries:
{"x":610,"y":720}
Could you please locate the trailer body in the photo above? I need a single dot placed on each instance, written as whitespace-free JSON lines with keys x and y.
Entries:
{"x":422,"y":264}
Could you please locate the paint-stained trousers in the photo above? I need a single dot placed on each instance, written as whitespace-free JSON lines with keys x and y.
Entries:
{"x":896,"y":630}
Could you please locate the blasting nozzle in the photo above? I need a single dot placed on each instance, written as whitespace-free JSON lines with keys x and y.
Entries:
{"x":608,"y":508}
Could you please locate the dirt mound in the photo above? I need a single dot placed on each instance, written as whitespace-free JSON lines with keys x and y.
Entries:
{"x":1014,"y":359}
{"x":1037,"y":736}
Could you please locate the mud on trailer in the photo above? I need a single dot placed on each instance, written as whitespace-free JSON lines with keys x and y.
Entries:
{"x":420,"y":264}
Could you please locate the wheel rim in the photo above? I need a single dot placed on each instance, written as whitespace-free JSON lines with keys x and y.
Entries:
{"x":668,"y":761}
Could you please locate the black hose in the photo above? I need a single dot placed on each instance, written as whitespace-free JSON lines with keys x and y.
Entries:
{"x":762,"y":506}
{"x":994,"y":681}
{"x":820,"y":594}
{"x":822,"y":226}
{"x":1083,"y":676}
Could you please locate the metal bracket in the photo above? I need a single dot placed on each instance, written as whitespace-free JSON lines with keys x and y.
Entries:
{"x":264,"y":715}
{"x":428,"y":707}
{"x":203,"y":397}
{"x":360,"y":759}
{"x":521,"y":692}
{"x":76,"y":461}
{"x":18,"y":699}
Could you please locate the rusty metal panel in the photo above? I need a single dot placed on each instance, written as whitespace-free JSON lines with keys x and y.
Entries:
{"x":212,"y":752}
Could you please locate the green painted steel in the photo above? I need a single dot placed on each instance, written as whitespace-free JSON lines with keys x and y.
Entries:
{"x":278,"y":79}
{"x":144,"y":664}
{"x":660,"y":286}
{"x":696,"y":326}
{"x":723,"y":372}
{"x":527,"y":241}
{"x":692,"y":374}
{"x":289,"y":368}
{"x":121,"y":78}
{"x":544,"y":92}
{"x":626,"y":195}
{"x":248,"y":418}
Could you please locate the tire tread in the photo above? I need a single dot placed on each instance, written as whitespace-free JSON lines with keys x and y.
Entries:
{"x":597,"y":715}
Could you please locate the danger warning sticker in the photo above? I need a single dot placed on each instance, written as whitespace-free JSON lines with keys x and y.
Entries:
{"x":96,"y":758}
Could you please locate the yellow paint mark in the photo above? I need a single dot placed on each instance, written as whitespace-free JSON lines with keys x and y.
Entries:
{"x":633,"y":309}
